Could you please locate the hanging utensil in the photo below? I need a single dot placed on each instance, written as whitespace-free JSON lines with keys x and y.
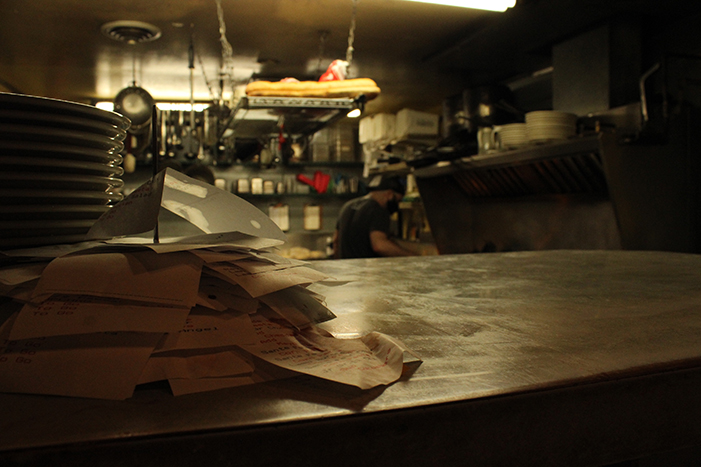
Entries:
{"x":194,"y":143}
{"x":135,"y":103}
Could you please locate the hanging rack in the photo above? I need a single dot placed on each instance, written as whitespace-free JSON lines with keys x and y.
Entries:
{"x":351,"y":36}
{"x":302,"y":115}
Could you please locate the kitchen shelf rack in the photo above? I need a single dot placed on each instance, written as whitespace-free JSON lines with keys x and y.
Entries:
{"x":250,"y":196}
{"x":339,"y":164}
{"x":562,"y":167}
{"x":300,"y":115}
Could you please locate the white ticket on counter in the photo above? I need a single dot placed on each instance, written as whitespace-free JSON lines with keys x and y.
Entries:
{"x":204,"y":329}
{"x":100,"y":365}
{"x":266,"y":282}
{"x":64,"y":315}
{"x":366,"y":362}
{"x":171,"y":279}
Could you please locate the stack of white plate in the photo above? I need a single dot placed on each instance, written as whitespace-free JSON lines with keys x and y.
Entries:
{"x":512,"y":135}
{"x":59,"y":168}
{"x":550,"y":125}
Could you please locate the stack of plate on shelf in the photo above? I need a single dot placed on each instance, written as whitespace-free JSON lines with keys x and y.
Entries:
{"x":59,"y":169}
{"x":512,"y":135}
{"x":549,"y":125}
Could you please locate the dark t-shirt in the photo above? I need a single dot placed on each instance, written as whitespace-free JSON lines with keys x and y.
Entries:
{"x":357,"y":219}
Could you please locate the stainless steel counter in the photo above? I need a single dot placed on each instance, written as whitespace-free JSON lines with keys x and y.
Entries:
{"x":546,"y":358}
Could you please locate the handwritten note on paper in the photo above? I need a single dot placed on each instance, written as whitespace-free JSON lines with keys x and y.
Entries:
{"x":219,"y":294}
{"x":271,"y":257}
{"x":171,"y":279}
{"x":181,"y":386}
{"x":257,"y":266}
{"x":75,"y":314}
{"x":266,"y":282}
{"x":190,"y":365}
{"x":280,"y":214}
{"x":263,"y":371}
{"x":21,"y":273}
{"x":209,"y":329}
{"x":102,"y":365}
{"x":209,"y":256}
{"x":348,"y":361}
{"x":22,"y":292}
{"x":298,"y":305}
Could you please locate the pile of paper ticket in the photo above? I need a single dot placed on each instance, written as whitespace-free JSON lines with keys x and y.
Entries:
{"x":206,"y":312}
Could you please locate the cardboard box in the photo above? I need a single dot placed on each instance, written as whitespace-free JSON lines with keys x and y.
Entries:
{"x":378,"y":127}
{"x":365,"y":130}
{"x":412,"y":123}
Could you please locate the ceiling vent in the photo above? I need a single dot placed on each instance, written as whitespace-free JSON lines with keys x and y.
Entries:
{"x":131,"y":32}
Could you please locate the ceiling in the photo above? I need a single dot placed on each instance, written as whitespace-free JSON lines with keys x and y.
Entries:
{"x":417,"y":53}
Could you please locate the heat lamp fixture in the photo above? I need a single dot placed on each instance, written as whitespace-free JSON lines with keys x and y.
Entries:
{"x":491,"y":5}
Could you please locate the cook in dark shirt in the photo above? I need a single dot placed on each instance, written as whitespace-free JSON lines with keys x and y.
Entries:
{"x":363,"y":226}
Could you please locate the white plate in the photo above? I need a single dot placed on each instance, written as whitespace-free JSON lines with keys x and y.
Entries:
{"x":547,"y":139}
{"x":31,"y":181}
{"x":541,"y":124}
{"x":61,"y":151}
{"x":10,"y":101}
{"x":7,"y":243}
{"x":58,"y":136}
{"x":56,"y":166}
{"x":18,"y":196}
{"x":551,"y":132}
{"x":33,"y":119}
{"x":52,"y":212}
{"x":552,"y":118}
{"x":45,"y":227}
{"x":555,"y":114}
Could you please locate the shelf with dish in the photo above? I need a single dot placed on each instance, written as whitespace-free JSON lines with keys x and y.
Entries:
{"x":274,"y":196}
{"x":573,"y":165}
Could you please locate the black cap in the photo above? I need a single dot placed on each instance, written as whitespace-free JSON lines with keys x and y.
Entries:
{"x":388,"y":182}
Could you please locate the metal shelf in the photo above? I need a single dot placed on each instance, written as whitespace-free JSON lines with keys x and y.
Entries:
{"x":259,"y":102}
{"x":300,"y":115}
{"x":250,"y":196}
{"x":572,"y":166}
{"x":332,"y":164}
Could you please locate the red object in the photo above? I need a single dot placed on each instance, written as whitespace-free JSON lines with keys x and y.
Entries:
{"x":306,"y":180}
{"x":320,"y":182}
{"x":335,"y":72}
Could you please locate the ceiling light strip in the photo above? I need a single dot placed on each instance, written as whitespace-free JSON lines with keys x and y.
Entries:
{"x":491,"y":5}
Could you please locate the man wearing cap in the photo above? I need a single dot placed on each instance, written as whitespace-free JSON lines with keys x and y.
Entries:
{"x":363,"y":226}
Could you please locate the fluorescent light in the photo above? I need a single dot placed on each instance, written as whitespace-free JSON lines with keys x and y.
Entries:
{"x":491,"y":5}
{"x":105,"y":106}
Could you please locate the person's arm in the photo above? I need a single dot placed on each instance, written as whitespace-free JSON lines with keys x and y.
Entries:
{"x":336,"y":246}
{"x":383,"y":246}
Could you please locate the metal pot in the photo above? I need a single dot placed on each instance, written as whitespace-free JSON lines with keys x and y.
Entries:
{"x":136,"y":104}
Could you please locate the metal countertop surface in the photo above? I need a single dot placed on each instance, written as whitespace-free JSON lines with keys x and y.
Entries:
{"x":484,"y":325}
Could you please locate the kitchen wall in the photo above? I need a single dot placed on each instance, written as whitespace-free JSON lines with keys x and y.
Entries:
{"x":652,"y":169}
